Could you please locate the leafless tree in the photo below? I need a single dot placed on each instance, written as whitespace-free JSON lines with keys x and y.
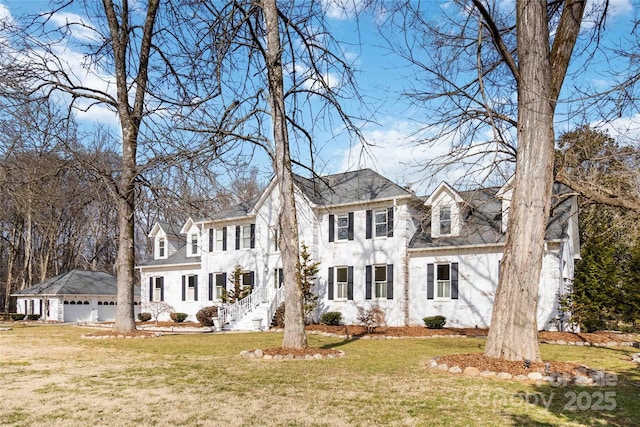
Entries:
{"x":475,"y":56}
{"x":279,"y":60}
{"x":139,"y":63}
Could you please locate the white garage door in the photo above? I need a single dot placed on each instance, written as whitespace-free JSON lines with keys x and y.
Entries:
{"x":75,"y":311}
{"x":107,"y":311}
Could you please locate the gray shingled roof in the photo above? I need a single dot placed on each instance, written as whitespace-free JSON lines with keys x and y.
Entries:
{"x":482,"y":221}
{"x":237,"y":211}
{"x":176,"y":258}
{"x":350,"y":187}
{"x":172,"y":230}
{"x":76,"y":282}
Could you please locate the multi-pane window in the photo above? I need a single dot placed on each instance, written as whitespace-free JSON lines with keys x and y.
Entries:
{"x":247,"y":279}
{"x":245,"y":236}
{"x":221,"y":285}
{"x":443,"y":281}
{"x":342,"y":224}
{"x":381,"y":223}
{"x":380,"y":281}
{"x":191,"y":288}
{"x":193,"y":244}
{"x":341,"y":282}
{"x":445,"y":220}
{"x":161,"y":247}
{"x":157,"y":289}
{"x":218,"y":235}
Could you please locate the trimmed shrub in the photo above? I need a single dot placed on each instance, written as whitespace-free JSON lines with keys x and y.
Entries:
{"x":33,"y":316}
{"x":205,"y":315}
{"x":18,"y":316}
{"x":593,"y":325}
{"x":278,"y":317}
{"x":144,"y":317}
{"x":331,"y":318}
{"x":434,"y":322}
{"x":178,"y":317}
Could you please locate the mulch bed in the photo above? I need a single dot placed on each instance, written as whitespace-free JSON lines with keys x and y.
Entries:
{"x":484,"y":363}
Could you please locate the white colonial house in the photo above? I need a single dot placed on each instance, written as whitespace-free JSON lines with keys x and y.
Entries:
{"x":378,"y":245}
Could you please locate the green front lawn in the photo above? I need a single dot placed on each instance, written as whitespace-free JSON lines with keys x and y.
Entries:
{"x":51,"y":376}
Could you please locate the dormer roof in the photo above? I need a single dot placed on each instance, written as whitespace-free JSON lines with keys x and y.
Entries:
{"x":172,"y":231}
{"x":188,"y":225}
{"x":443,"y":188}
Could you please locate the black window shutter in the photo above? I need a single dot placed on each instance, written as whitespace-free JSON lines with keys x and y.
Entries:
{"x":390,"y":281}
{"x":252,"y":276}
{"x":237,"y":237}
{"x":210,"y":286}
{"x":429,"y":281}
{"x":224,"y":238}
{"x":350,"y":283}
{"x":184,"y":290}
{"x":330,"y":283}
{"x":195,"y":288}
{"x":211,"y":240}
{"x":454,"y":280}
{"x":367,"y":284}
{"x":280,"y":277}
{"x":390,"y":222}
{"x":369,"y":223}
{"x":350,"y":225}
{"x":332,"y":221}
{"x":150,"y":288}
{"x":253,"y":236}
{"x":224,"y":280}
{"x":162,"y":289}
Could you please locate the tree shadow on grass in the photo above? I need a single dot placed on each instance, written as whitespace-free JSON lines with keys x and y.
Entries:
{"x":611,"y":401}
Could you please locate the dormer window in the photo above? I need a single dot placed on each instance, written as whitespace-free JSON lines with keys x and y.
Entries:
{"x":445,"y":220}
{"x":193,"y":244}
{"x":161,"y":247}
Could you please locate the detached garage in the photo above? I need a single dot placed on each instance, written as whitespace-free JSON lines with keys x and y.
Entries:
{"x":76,"y":296}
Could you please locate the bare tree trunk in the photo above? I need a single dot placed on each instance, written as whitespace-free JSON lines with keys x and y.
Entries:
{"x":294,"y":329}
{"x":514,"y":334}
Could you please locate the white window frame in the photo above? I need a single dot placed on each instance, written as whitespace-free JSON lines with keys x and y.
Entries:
{"x":193,"y":244}
{"x":218,"y":239}
{"x":342,"y":227}
{"x":220,"y":288}
{"x":190,"y":289}
{"x":379,"y":285}
{"x":157,"y":289}
{"x":442,"y":284}
{"x":341,"y":286}
{"x":245,"y":236}
{"x":162,"y":247}
{"x":447,"y":221}
{"x":385,"y":223}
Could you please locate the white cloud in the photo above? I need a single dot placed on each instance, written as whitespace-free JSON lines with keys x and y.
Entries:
{"x":80,"y":28}
{"x":625,"y":130}
{"x":394,"y":153}
{"x":342,"y":9}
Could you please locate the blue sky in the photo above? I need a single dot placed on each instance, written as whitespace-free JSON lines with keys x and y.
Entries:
{"x":382,"y":78}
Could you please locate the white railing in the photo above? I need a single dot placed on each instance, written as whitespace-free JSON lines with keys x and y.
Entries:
{"x":239,"y":308}
{"x":278,"y":297}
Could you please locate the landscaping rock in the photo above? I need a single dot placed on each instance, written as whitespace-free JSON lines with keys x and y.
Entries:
{"x":244,"y":353}
{"x":258,"y":353}
{"x":455,"y":370}
{"x":487,"y":374}
{"x":472,"y":371}
{"x":582,"y":380}
{"x":535,"y":376}
{"x":267,"y":357}
{"x":433,"y":364}
{"x":504,"y":375}
{"x":521,"y":377}
{"x":442,"y":367}
{"x":277,"y":357}
{"x":317,"y":356}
